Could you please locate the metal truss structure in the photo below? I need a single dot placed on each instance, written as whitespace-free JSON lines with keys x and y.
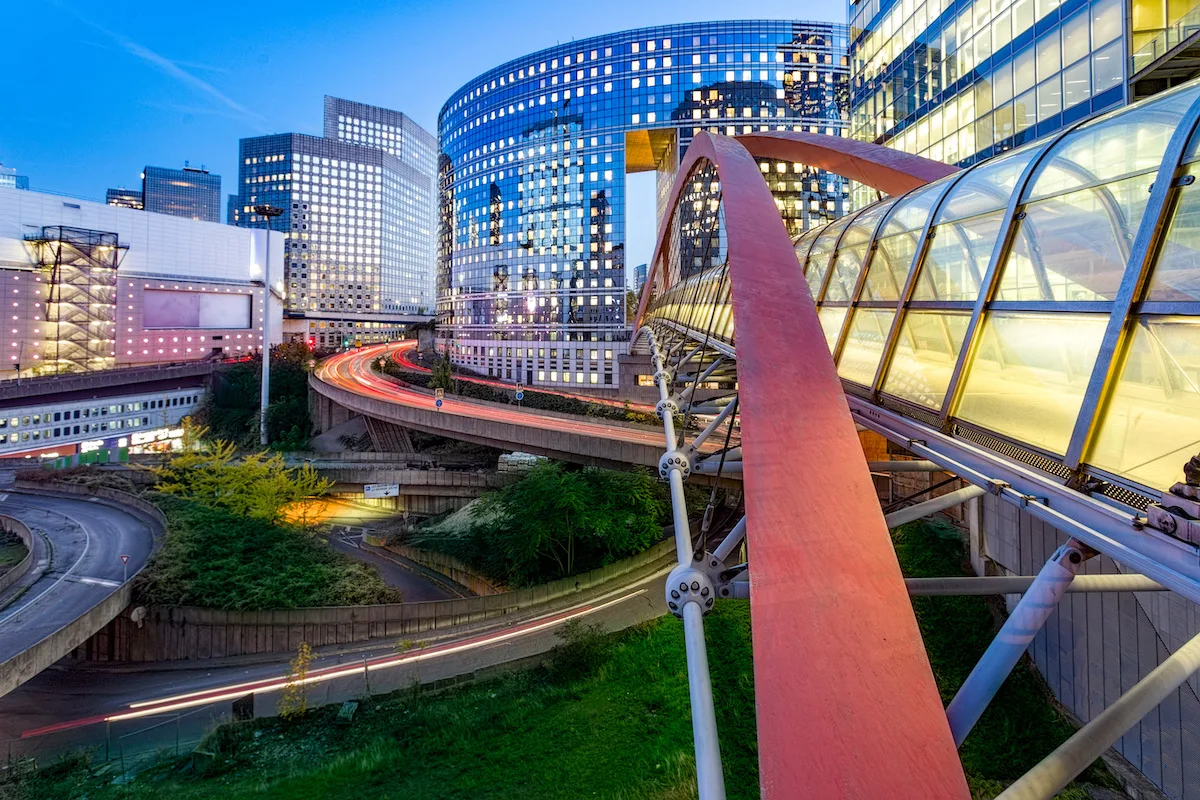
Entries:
{"x":81,"y":279}
{"x":1030,"y":324}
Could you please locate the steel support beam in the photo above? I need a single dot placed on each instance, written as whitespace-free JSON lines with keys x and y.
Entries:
{"x":903,"y":466}
{"x":1075,"y":754}
{"x":731,"y":540}
{"x":940,"y":503}
{"x":1018,"y":584}
{"x":1031,"y":613}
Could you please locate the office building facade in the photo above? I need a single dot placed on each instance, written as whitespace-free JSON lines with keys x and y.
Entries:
{"x":532,"y":164}
{"x":11,"y":180}
{"x":124,"y":198}
{"x":358,"y":213}
{"x":962,"y":81}
{"x":188,"y":192}
{"x":94,"y":286}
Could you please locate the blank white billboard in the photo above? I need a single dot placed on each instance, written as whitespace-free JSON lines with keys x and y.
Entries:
{"x":172,"y":310}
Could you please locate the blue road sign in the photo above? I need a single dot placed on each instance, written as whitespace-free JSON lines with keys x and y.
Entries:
{"x":520,"y":395}
{"x":438,"y":402}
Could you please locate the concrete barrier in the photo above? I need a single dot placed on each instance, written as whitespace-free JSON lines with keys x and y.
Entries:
{"x":16,"y":573}
{"x":59,"y":644}
{"x":113,"y":497}
{"x":449,"y":566}
{"x":169,"y":633}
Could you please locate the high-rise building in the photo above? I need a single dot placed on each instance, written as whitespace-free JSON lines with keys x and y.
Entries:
{"x":232,"y":209}
{"x":959,"y":82}
{"x":639,"y":278}
{"x":358,"y":216}
{"x":188,"y":192}
{"x":11,"y":180}
{"x":125,"y":198}
{"x":534,"y":153}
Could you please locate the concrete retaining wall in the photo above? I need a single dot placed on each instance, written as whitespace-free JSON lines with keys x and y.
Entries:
{"x":449,"y":566}
{"x":171,"y":633}
{"x":59,"y":644}
{"x":331,"y":405}
{"x":16,"y":573}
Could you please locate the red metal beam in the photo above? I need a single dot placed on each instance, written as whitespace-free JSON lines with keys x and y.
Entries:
{"x":890,"y":171}
{"x":846,"y":702}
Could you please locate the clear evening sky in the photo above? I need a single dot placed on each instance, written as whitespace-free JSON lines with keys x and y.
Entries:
{"x":93,"y":90}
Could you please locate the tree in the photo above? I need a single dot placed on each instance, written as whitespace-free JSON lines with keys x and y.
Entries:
{"x":293,"y":700}
{"x":631,"y":305}
{"x":258,"y":485}
{"x":442,"y":376}
{"x":556,"y":522}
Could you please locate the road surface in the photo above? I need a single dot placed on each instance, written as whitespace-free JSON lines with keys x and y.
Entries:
{"x":352,"y":372}
{"x":86,"y":542}
{"x":133,"y":708}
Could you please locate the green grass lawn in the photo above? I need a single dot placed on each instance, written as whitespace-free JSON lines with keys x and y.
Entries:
{"x":607,"y":718}
{"x":12,"y":550}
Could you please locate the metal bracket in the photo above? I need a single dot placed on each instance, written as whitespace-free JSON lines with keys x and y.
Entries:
{"x":689,"y":583}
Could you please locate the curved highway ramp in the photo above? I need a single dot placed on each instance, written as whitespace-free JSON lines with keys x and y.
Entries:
{"x":80,"y":584}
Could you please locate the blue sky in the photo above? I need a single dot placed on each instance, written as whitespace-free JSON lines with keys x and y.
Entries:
{"x":96,"y":89}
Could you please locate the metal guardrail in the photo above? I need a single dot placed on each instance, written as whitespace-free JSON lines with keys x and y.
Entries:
{"x":1184,"y":28}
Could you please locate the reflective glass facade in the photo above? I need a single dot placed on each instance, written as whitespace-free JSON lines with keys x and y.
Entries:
{"x":358,"y":217}
{"x":1045,"y":303}
{"x":191,"y":193}
{"x":533,"y":156}
{"x":961,"y":80}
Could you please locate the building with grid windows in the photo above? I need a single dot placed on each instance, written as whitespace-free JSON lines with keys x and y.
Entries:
{"x":124,"y":198}
{"x":188,"y":192}
{"x":358,"y":217}
{"x":961,"y":81}
{"x":534,"y":153}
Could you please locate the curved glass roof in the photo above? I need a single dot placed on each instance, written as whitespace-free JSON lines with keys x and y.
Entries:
{"x":1048,"y":298}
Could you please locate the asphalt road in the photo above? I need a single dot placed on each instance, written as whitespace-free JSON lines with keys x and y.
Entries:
{"x":352,"y":371}
{"x":148,"y":707}
{"x":86,"y":542}
{"x":414,"y":586}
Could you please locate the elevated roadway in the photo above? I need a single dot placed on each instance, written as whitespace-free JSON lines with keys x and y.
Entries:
{"x":82,"y":587}
{"x":346,"y":384}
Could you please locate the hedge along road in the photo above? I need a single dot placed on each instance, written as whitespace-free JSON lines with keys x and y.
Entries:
{"x":87,"y":539}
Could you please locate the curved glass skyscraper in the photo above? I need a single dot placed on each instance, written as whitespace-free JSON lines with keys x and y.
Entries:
{"x":531,"y":275}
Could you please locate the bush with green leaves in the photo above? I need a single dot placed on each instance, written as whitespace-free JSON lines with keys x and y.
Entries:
{"x":554,"y":522}
{"x":214,"y":558}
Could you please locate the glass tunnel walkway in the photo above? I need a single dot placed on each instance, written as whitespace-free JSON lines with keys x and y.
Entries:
{"x":1016,"y":301}
{"x":1030,"y":324}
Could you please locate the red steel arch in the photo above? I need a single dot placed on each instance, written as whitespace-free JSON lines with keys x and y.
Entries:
{"x":890,"y":171}
{"x":846,"y":702}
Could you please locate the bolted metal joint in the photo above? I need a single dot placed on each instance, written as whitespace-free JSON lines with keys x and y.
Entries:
{"x":689,"y":583}
{"x":664,"y":377}
{"x":682,"y":460}
{"x":667,"y":406}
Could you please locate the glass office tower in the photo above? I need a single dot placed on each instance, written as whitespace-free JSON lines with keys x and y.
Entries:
{"x":124,"y":198}
{"x":187,"y":192}
{"x":358,"y":217}
{"x":534,"y":153}
{"x":961,"y":81}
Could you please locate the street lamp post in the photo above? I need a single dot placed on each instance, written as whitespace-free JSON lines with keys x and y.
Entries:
{"x":269,"y":213}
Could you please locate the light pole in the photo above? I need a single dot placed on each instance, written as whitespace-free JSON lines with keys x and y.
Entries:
{"x":269,"y":213}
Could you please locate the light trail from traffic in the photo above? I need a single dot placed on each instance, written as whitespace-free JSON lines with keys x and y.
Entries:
{"x":178,"y":702}
{"x":401,"y":357}
{"x":353,"y":372}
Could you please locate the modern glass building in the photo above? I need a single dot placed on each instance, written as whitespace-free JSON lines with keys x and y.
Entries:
{"x":534,"y":153}
{"x":187,"y":192}
{"x":358,"y":212}
{"x":960,"y":80}
{"x":124,"y":198}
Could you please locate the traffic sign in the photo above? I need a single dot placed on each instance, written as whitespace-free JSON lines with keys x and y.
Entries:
{"x":439,"y":393}
{"x":438,"y":403}
{"x":381,"y":490}
{"x":124,"y":559}
{"x":520,"y":395}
